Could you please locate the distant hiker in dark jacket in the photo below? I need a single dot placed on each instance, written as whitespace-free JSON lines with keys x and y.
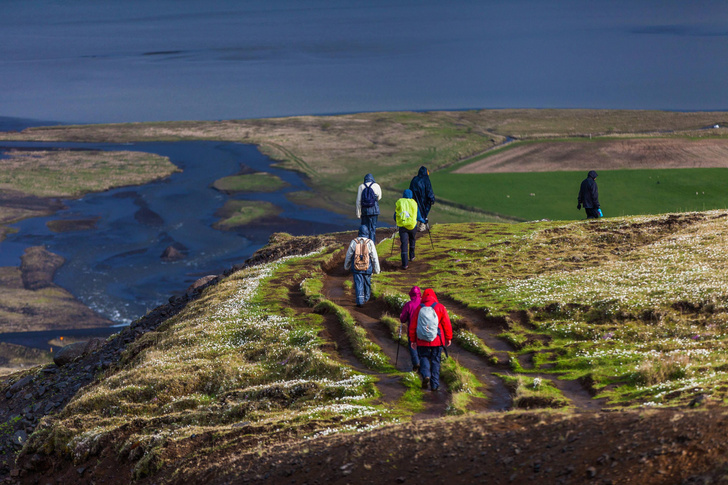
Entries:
{"x":429,"y":332}
{"x":407,"y":310}
{"x":405,"y":215}
{"x":367,"y":204}
{"x":423,"y":194}
{"x":589,"y":196}
{"x":362,"y":260}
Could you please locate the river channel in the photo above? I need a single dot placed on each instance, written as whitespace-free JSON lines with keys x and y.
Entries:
{"x":116,"y":268}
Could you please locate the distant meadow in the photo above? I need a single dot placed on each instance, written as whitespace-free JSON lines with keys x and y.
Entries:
{"x":553,"y":195}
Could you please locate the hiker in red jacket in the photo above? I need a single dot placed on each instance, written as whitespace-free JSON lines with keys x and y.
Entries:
{"x":407,"y":310}
{"x":429,"y":331}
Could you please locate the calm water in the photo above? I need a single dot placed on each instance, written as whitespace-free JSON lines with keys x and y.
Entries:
{"x":116,"y":268}
{"x":89,"y":61}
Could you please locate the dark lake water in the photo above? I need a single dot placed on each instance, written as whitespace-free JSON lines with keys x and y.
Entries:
{"x":89,"y":61}
{"x":116,"y":268}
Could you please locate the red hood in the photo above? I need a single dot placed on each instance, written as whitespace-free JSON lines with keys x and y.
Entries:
{"x":429,"y":297}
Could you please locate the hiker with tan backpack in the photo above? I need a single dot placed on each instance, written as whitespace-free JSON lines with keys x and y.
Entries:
{"x":362,"y":260}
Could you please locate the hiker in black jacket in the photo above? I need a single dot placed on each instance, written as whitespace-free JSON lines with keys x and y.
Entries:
{"x":589,"y":196}
{"x":423,"y":194}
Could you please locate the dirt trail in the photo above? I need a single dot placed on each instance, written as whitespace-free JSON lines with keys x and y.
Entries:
{"x":498,"y":396}
{"x":390,"y":386}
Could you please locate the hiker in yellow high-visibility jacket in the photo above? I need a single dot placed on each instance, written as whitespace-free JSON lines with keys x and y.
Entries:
{"x":405,"y":214}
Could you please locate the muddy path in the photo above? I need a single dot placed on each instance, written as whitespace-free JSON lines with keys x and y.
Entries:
{"x":339,"y":347}
{"x":498,"y":396}
{"x":580,"y":395}
{"x":389,"y":385}
{"x":488,"y":329}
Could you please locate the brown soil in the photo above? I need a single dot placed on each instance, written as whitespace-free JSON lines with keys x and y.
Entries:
{"x":649,"y":447}
{"x":606,"y":155}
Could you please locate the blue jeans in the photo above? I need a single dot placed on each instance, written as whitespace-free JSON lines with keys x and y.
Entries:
{"x":430,"y":364}
{"x":362,"y":287}
{"x":413,"y":355}
{"x":371,"y":223}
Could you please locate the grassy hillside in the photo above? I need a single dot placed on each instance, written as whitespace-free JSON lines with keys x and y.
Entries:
{"x":617,"y":313}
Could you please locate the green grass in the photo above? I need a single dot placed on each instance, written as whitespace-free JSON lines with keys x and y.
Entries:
{"x":533,"y":392}
{"x":238,"y":213}
{"x":615,"y":301}
{"x":238,"y":354}
{"x":251,"y":182}
{"x":621,"y":192}
{"x":73,"y":173}
{"x":461,"y":383}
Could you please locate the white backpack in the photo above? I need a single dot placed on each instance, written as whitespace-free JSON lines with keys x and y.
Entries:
{"x":427,"y":323}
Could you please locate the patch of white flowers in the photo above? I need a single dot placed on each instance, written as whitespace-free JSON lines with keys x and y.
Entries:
{"x":684,"y":267}
{"x":356,"y":427}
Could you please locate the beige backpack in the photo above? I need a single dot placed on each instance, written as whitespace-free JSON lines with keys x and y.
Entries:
{"x":361,"y":254}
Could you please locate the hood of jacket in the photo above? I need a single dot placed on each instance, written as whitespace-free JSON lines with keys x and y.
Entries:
{"x":423,"y":171}
{"x":414,"y":293}
{"x":407,"y":194}
{"x":592,"y":174}
{"x":363,"y":231}
{"x":429,"y":297}
{"x":368,"y":178}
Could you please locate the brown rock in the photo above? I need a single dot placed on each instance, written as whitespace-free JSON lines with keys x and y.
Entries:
{"x":172,"y":254}
{"x":38,"y":266}
{"x":200,"y":282}
{"x":71,"y":352}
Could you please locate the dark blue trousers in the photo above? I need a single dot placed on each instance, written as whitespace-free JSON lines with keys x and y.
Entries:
{"x":371,"y":223}
{"x":430,"y":364}
{"x":362,"y":287}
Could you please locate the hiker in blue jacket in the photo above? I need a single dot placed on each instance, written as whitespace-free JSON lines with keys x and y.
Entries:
{"x":362,"y":260}
{"x":367,"y":204}
{"x":589,"y":196}
{"x":423,"y":194}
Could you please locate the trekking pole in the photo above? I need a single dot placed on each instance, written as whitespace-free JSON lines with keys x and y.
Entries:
{"x":399,"y":343}
{"x":429,"y":231}
{"x":394,"y":236}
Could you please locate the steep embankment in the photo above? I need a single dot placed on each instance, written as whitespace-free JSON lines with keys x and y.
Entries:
{"x":270,"y":374}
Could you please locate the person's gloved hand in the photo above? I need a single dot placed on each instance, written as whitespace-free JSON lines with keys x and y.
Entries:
{"x":578,"y":206}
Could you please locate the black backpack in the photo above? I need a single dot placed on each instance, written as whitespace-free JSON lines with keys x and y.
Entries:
{"x":368,"y":197}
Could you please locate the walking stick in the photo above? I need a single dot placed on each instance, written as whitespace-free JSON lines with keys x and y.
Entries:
{"x":429,"y":231}
{"x":394,"y":236}
{"x":399,"y":343}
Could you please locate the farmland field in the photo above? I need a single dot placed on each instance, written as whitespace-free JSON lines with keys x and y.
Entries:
{"x":553,"y":195}
{"x":537,"y":180}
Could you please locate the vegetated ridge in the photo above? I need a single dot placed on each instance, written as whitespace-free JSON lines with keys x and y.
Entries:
{"x":584,"y":352}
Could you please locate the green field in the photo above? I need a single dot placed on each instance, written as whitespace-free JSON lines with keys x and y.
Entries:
{"x":621,"y":192}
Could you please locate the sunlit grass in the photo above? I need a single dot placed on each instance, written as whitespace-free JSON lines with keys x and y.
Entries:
{"x":230,"y":356}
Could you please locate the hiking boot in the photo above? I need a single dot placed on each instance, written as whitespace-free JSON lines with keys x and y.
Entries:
{"x":412,"y":258}
{"x":425,"y":383}
{"x":415,"y":368}
{"x":405,"y":267}
{"x":435,"y":389}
